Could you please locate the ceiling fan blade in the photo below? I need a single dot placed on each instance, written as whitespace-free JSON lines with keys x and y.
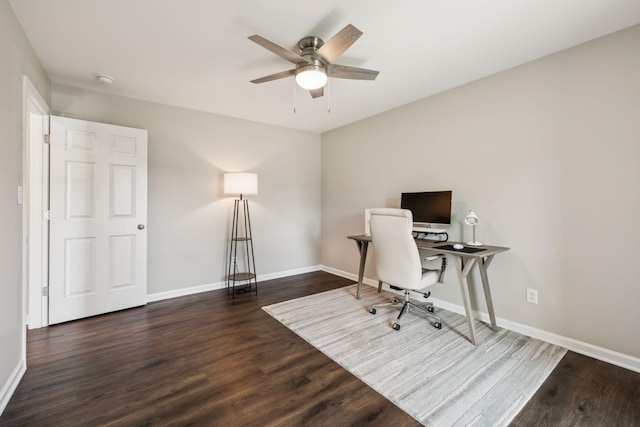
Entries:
{"x":276,"y":76}
{"x":317,"y":93}
{"x":278,"y":50}
{"x":331,"y":50}
{"x":346,"y":72}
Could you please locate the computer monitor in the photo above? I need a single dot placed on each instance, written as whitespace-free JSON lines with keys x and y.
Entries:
{"x":429,"y":207}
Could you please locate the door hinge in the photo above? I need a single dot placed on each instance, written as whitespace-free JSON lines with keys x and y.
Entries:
{"x":46,"y":138}
{"x":46,"y":215}
{"x":45,"y":291}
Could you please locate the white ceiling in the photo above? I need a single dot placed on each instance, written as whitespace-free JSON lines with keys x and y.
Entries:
{"x":195,"y":53}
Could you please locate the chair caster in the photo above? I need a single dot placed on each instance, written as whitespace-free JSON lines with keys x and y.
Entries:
{"x":438,"y":325}
{"x":396,"y":326}
{"x":430,"y":309}
{"x":372,"y":310}
{"x":426,"y":295}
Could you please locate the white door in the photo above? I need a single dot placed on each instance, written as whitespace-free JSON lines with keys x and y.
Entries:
{"x":98,"y":215}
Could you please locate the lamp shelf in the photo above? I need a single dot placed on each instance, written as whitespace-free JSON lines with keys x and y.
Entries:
{"x":238,"y":277}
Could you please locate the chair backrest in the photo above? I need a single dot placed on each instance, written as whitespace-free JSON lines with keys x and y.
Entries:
{"x":395,"y":251}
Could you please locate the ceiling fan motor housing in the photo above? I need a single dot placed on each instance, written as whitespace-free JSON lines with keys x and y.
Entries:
{"x":308,"y":47}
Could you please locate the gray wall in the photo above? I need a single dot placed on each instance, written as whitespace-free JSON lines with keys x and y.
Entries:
{"x":548,"y":154}
{"x":17,"y":58}
{"x":189,"y":217}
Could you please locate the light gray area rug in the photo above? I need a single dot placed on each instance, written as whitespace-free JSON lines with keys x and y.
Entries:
{"x":436,"y":376}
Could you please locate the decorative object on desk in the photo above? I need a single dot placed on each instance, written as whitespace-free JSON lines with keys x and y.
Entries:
{"x":241,"y":184}
{"x":472,"y":220}
{"x":434,"y":375}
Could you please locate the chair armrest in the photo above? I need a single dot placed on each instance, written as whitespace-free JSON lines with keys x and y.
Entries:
{"x":443,"y":265}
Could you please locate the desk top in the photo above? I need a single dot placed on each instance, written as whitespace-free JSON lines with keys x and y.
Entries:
{"x":434,"y":246}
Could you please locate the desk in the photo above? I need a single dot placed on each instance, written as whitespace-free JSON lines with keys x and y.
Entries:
{"x":464,"y":265}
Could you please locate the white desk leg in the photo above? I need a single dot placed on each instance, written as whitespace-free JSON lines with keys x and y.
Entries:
{"x":464,"y":267}
{"x":483,"y":265}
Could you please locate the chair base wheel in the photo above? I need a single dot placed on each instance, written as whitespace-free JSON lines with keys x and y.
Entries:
{"x":396,"y":326}
{"x":438,"y":325}
{"x":372,"y":310}
{"x":430,"y":309}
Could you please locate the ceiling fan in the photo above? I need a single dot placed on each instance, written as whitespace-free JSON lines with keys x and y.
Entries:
{"x":315,"y":62}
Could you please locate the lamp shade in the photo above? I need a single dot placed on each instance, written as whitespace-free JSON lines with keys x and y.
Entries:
{"x":245,"y":184}
{"x":472,"y":218}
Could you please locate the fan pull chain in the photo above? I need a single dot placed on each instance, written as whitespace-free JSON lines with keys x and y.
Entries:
{"x":328,"y":97}
{"x":294,"y":96}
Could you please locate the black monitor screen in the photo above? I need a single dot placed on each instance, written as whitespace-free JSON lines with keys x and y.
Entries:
{"x":433,"y":207}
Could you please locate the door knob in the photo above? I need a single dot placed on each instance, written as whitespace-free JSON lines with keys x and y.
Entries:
{"x":140,"y":226}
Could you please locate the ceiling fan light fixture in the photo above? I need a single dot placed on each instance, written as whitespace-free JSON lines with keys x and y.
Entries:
{"x":311,"y":77}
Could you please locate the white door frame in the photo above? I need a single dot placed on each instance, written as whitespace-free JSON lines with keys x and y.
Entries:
{"x":35,"y":193}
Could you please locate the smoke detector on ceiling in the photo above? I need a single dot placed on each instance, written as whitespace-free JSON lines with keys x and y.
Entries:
{"x":104,"y":79}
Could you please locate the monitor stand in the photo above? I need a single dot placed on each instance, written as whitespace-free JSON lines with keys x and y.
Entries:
{"x":429,"y":230}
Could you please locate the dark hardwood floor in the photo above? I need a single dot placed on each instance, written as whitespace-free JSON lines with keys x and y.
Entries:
{"x":211,"y":360}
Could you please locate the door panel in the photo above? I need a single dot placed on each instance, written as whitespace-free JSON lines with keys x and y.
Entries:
{"x":98,"y":255}
{"x":80,"y":191}
{"x":122,"y":256}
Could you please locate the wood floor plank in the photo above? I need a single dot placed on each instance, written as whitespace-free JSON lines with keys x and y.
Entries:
{"x":209,"y":360}
{"x":583,"y":391}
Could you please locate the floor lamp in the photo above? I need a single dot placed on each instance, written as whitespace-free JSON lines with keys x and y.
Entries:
{"x":241,"y":184}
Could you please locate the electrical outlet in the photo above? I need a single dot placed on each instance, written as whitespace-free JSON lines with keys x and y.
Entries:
{"x":532,"y":295}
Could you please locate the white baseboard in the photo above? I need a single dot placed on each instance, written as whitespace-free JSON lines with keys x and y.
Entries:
{"x":288,"y":273}
{"x":12,"y":383}
{"x":159,"y":296}
{"x":347,"y":275}
{"x":600,"y":353}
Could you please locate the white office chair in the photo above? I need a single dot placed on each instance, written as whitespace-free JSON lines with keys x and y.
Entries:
{"x":398,"y":261}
